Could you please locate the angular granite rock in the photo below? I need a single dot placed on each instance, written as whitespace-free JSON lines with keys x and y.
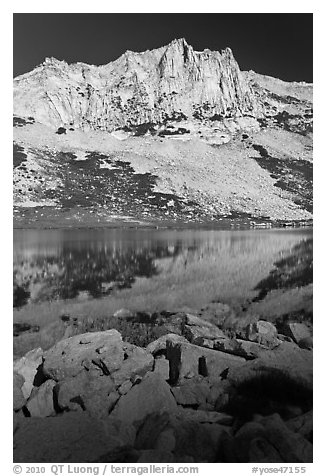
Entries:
{"x":188,"y":360}
{"x":298,"y":331}
{"x":28,"y":366}
{"x":263,"y":332}
{"x":196,"y":328}
{"x":86,"y":392}
{"x":100,"y":350}
{"x":151,"y":395}
{"x":41,"y":402}
{"x":136,"y":362}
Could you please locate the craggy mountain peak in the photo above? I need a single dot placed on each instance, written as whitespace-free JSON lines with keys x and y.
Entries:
{"x":154,"y":86}
{"x":165,"y":135}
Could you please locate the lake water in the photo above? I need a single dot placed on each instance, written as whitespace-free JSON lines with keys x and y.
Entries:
{"x":157,"y":268}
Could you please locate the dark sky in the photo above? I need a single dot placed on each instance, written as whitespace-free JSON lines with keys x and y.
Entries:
{"x":279,"y":45}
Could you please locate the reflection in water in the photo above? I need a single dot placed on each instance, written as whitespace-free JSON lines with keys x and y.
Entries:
{"x":65,"y":264}
{"x":294,"y":269}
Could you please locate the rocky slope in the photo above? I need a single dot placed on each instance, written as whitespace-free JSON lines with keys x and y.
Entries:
{"x":171,"y":134}
{"x":192,"y":395}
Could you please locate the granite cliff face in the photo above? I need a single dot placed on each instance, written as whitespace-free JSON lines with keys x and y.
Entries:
{"x":150,"y":87}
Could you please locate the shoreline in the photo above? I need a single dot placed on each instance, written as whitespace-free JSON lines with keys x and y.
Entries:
{"x":226,"y":225}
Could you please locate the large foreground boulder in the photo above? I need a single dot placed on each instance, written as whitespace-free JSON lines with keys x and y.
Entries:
{"x":70,"y":438}
{"x":100,"y":350}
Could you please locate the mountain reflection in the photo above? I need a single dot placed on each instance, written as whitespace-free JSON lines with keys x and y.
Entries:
{"x":82,"y":264}
{"x":97,"y":269}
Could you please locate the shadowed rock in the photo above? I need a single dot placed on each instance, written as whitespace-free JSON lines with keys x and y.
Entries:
{"x":18,"y":397}
{"x":151,"y":395}
{"x":72,"y":437}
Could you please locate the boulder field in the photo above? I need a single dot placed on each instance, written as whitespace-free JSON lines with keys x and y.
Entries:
{"x":196,"y":395}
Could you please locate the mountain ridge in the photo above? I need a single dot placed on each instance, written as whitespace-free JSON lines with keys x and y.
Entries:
{"x":135,"y":88}
{"x":171,"y":133}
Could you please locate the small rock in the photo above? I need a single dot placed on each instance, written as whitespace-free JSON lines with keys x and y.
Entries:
{"x":41,"y":403}
{"x":263,"y":332}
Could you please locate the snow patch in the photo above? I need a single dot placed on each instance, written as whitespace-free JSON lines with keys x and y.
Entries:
{"x":80,"y":155}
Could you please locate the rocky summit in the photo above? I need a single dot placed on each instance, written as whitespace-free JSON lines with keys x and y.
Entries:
{"x":170,"y":134}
